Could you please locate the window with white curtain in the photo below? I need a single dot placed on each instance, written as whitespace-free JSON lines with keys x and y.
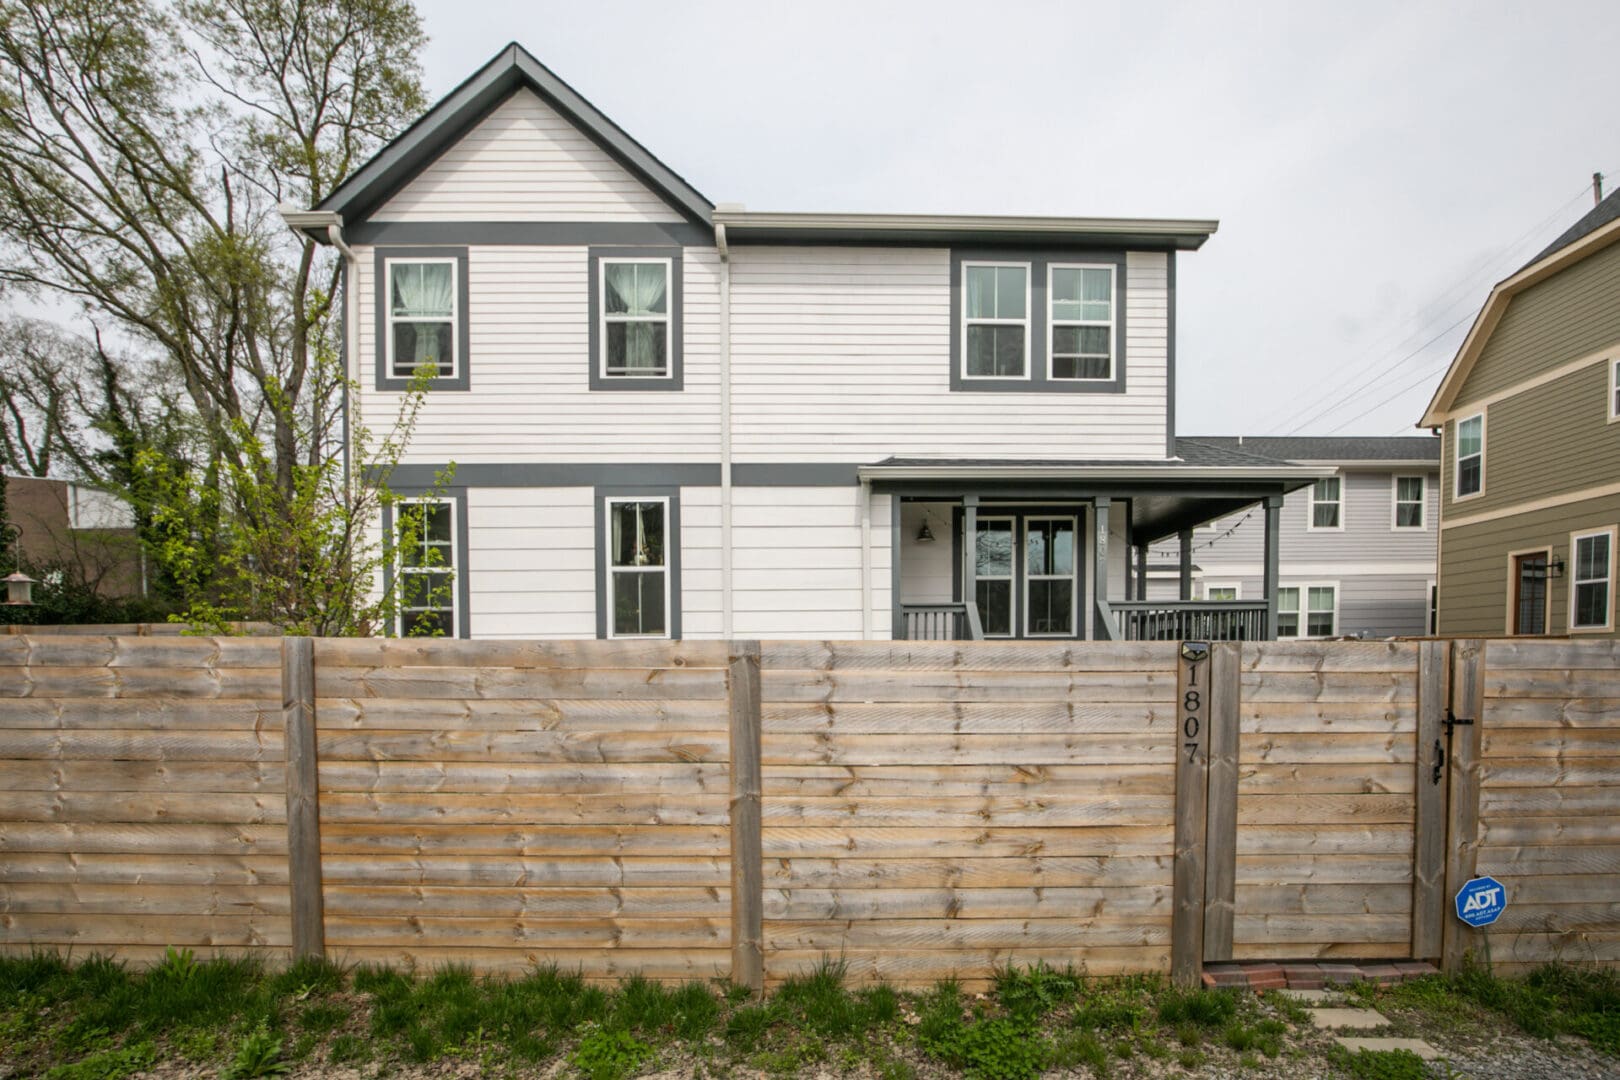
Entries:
{"x":635,"y":307}
{"x":995,"y":314}
{"x":421,"y":316}
{"x":638,"y":567}
{"x":1082,"y":321}
{"x":1409,"y":502}
{"x":1327,"y":503}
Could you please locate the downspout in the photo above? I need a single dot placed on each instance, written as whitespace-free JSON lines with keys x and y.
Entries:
{"x":726,"y":628}
{"x":351,"y":334}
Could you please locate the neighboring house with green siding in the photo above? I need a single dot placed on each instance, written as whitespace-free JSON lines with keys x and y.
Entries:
{"x":1529,"y":413}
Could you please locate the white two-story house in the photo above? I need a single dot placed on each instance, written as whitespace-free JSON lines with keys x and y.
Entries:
{"x":670,"y":419}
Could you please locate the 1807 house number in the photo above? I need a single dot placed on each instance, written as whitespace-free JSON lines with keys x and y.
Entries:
{"x":1192,"y":700}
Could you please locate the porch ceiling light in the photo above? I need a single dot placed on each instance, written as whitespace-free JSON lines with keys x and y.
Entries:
{"x":925,"y":535}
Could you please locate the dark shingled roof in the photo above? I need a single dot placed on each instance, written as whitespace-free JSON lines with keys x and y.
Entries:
{"x":1321,"y":448}
{"x":1590,"y":222}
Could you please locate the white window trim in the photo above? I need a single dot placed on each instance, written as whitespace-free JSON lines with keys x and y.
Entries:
{"x":1073,"y":576}
{"x":1511,"y":609}
{"x":1614,"y":390}
{"x":1235,"y":586}
{"x":448,"y":370}
{"x":1029,"y":283}
{"x":1395,"y":504}
{"x":1456,"y":457}
{"x":667,"y":318}
{"x":1304,"y":613}
{"x":1613,"y":533}
{"x":1310,"y":507}
{"x":1052,"y":322}
{"x":455,"y":568}
{"x":1011,"y":577}
{"x":613,"y":572}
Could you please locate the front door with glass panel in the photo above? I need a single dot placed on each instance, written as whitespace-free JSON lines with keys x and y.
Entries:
{"x":1027,"y":575}
{"x":1530,"y":593}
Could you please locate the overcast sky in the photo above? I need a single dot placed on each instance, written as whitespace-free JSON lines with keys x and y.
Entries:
{"x":1375,"y":166}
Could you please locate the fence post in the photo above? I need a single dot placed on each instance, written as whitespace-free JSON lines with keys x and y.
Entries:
{"x":1462,"y":799}
{"x":1192,"y":792}
{"x":303,"y":807}
{"x":747,"y":858}
{"x":1220,"y":832}
{"x":1429,"y":842}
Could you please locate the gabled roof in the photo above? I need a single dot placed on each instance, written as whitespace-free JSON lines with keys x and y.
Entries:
{"x":510,"y":70}
{"x":1596,"y":230}
{"x":1396,"y":449}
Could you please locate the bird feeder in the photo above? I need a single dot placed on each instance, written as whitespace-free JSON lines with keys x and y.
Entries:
{"x":19,"y":590}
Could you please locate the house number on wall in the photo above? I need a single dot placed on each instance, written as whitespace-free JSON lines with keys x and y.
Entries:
{"x":1194,"y":697}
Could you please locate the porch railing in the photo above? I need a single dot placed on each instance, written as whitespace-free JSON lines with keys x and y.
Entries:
{"x":941,"y":622}
{"x":1191,"y":620}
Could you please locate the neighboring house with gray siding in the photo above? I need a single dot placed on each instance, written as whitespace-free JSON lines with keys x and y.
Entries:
{"x":1358,"y":548}
{"x":673,"y":418}
{"x":1530,"y":416}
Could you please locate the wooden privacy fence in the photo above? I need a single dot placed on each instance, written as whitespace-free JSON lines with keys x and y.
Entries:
{"x":739,"y":809}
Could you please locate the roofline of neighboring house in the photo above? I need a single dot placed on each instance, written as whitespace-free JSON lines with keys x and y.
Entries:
{"x":1371,"y":463}
{"x":1439,"y":408}
{"x":764,"y":227}
{"x":1083,"y":471}
{"x":511,"y":69}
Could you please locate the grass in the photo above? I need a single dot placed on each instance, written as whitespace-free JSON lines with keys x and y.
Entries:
{"x":100,"y":1020}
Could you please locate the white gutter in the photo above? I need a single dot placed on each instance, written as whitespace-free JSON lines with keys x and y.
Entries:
{"x":1088,"y":472}
{"x":304,"y":223}
{"x":725,"y":432}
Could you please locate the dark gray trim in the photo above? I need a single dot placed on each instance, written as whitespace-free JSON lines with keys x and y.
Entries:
{"x":1170,"y":356}
{"x":672,"y":541}
{"x":385,"y":379}
{"x":460,"y":579}
{"x":443,"y":125}
{"x":897,"y":615}
{"x":676,"y":380}
{"x":796,"y":474}
{"x":564,"y":474}
{"x":1079,"y":509}
{"x":739,"y":235}
{"x":1039,"y":260}
{"x":532,"y":233}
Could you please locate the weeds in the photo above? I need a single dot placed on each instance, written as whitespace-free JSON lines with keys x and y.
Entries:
{"x":259,"y":1054}
{"x":609,"y":1054}
{"x":1379,"y":1064}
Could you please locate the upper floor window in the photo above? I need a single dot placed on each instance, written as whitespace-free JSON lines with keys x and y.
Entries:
{"x":1409,"y":502}
{"x":1614,"y":390}
{"x":635,"y":313}
{"x":1082,"y":322}
{"x":422,"y":323}
{"x":1327,"y":503}
{"x":1591,"y":586}
{"x":635,"y":318}
{"x":995,"y":312}
{"x":1470,"y":456}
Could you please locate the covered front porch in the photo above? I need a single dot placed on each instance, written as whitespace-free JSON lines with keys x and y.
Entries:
{"x":1059,"y":550}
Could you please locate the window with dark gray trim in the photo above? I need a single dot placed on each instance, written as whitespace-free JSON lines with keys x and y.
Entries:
{"x":425,"y":541}
{"x":635,"y":318}
{"x":421,"y":296}
{"x":1061,"y":332}
{"x":638,"y":565}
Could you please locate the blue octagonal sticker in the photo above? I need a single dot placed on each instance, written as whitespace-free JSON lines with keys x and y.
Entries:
{"x":1481,"y":901}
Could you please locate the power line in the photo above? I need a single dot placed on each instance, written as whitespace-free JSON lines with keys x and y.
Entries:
{"x":1379,"y":374}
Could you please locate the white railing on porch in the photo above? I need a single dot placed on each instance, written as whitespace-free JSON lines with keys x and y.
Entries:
{"x":1191,"y":620}
{"x":941,"y":622}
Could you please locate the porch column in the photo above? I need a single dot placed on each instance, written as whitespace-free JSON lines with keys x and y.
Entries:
{"x":897,"y":616}
{"x":970,"y":546}
{"x":1185,"y":536}
{"x":1141,"y":571}
{"x":1104,"y":617}
{"x":1273,"y":540}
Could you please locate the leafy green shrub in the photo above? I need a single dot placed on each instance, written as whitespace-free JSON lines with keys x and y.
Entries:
{"x":1379,"y":1064}
{"x":258,"y":1054}
{"x":999,"y":1049}
{"x":1206,"y":1008}
{"x":605,"y":1054}
{"x":107,"y":1065}
{"x":1034,"y":991}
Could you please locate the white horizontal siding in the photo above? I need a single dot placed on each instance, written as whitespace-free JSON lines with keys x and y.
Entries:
{"x":844,"y":353}
{"x":531,"y":562}
{"x":525,"y":162}
{"x":528,"y":352}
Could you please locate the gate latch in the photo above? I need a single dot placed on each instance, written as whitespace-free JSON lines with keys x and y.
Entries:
{"x":1455,"y":721}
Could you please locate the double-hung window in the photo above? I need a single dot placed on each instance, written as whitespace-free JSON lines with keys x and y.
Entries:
{"x":1082,"y":322}
{"x":1591,"y":586}
{"x":1318,"y":616}
{"x":635,"y":306}
{"x":1327,"y":503}
{"x":638,"y":567}
{"x":1470,"y":467}
{"x":425,"y":531}
{"x":1223,"y":592}
{"x":1614,"y":390}
{"x":995,"y":315}
{"x":993,"y":575}
{"x":422,"y":317}
{"x":1409,"y":502}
